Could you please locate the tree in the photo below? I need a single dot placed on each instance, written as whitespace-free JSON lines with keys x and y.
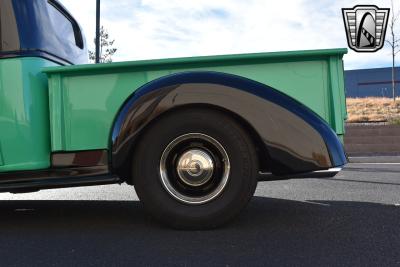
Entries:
{"x":106,"y":47}
{"x":394,"y":43}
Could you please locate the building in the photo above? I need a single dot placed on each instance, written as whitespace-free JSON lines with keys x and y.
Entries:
{"x":371,"y":82}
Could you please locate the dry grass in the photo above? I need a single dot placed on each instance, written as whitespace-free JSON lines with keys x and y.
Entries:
{"x":373,"y":109}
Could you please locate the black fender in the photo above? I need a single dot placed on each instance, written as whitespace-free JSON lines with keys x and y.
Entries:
{"x":295,"y":139}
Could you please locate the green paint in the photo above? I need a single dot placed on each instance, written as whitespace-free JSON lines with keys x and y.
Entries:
{"x":1,"y":157}
{"x":24,"y":119}
{"x":74,"y":109}
{"x":85,"y":99}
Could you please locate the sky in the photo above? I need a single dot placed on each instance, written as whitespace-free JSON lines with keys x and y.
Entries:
{"x":152,"y":29}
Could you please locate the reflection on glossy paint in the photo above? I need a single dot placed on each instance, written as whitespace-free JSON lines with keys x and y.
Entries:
{"x":288,"y":139}
{"x":24,"y":124}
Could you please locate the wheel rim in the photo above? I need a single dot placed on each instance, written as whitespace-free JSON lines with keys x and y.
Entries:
{"x":194,"y":168}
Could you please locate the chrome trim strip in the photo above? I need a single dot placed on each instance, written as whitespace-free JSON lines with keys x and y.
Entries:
{"x":338,"y":169}
{"x":265,"y":176}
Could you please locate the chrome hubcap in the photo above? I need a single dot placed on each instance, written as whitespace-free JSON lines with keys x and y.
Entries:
{"x":195,"y":167}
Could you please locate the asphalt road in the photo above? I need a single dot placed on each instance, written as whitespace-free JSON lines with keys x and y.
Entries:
{"x":351,"y":220}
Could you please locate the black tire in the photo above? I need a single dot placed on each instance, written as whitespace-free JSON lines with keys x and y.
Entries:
{"x":240,"y":185}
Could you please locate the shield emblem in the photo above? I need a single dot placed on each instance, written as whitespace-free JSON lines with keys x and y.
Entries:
{"x":365,"y":27}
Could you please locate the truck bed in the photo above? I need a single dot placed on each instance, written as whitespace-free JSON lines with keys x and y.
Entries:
{"x":85,"y":99}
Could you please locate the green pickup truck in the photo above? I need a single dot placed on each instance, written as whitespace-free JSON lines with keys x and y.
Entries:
{"x":193,"y":135}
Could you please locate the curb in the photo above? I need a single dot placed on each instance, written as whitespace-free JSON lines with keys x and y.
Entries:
{"x":375,"y":159}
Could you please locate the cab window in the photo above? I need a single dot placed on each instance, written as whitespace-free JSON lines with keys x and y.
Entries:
{"x":9,"y":39}
{"x":65,"y":26}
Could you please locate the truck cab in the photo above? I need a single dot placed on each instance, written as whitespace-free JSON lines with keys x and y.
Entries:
{"x":193,"y":135}
{"x":30,"y":41}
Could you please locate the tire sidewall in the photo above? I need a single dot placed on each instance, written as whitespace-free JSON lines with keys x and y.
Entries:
{"x":240,"y":185}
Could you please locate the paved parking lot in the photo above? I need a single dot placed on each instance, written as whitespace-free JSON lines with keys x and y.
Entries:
{"x":351,"y":220}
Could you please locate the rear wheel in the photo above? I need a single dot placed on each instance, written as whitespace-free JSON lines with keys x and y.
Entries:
{"x":195,"y":169}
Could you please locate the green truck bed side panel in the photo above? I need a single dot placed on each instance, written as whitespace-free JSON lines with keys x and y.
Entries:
{"x":1,"y":157}
{"x":24,"y":114}
{"x":85,"y":99}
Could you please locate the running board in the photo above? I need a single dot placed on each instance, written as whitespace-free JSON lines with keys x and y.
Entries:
{"x":30,"y":181}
